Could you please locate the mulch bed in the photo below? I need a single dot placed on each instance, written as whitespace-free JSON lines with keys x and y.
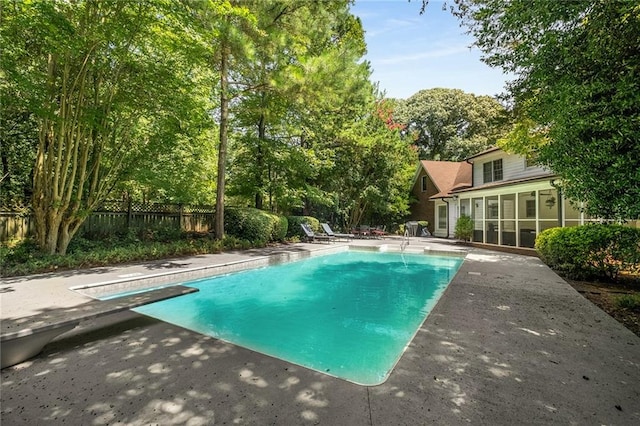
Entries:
{"x":604,"y":296}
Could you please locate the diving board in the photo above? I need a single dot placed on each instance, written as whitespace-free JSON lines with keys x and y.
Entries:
{"x":23,"y":338}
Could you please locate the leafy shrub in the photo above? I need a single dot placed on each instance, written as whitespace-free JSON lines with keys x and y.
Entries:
{"x":464,"y":228}
{"x":280,"y":229}
{"x":295,"y":221}
{"x":254,"y":225}
{"x":591,"y":251}
{"x":25,"y":258}
{"x":629,"y":301}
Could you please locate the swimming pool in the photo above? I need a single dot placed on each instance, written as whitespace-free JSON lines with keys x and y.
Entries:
{"x":349,"y":315}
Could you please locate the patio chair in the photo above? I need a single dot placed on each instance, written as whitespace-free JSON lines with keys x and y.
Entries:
{"x":379,"y":231}
{"x":362,"y":231}
{"x":327,"y":230}
{"x":311,"y":236}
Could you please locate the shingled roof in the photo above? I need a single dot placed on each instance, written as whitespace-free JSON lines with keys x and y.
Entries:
{"x":447,"y":176}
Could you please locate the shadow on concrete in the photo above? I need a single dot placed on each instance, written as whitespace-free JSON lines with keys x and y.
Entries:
{"x":142,"y":371}
{"x":508,"y":343}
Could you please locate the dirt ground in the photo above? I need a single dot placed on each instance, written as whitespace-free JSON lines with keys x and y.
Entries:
{"x":604,"y":296}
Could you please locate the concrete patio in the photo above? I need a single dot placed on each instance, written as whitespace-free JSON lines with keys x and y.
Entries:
{"x":509,"y":342}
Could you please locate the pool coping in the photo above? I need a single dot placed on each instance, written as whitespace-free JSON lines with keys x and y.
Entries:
{"x":142,"y":282}
{"x":168,"y":278}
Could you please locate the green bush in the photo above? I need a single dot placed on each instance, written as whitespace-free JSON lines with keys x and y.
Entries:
{"x":464,"y":228}
{"x":25,"y":258}
{"x":591,"y":251}
{"x":254,"y":225}
{"x":280,"y":229}
{"x":629,"y":301}
{"x":295,"y":221}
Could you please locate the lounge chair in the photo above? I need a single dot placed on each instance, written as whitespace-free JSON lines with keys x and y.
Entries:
{"x":312,"y":236}
{"x":327,"y":230}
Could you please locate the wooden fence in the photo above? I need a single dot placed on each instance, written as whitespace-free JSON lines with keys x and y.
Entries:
{"x":115,"y":216}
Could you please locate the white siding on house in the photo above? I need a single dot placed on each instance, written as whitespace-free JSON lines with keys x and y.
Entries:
{"x":452,"y":210}
{"x":513,"y":167}
{"x":514,"y":210}
{"x":453,"y":217}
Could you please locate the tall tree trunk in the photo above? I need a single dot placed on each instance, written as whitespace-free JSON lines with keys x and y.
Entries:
{"x":5,"y":175}
{"x":260,"y":162}
{"x":222,"y":147}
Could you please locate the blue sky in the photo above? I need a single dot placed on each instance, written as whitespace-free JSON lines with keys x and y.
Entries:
{"x":410,"y":52}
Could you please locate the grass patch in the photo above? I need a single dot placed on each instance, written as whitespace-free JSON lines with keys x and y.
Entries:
{"x":628,"y":301}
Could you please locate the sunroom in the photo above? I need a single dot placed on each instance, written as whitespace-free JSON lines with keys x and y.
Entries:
{"x":514,"y":213}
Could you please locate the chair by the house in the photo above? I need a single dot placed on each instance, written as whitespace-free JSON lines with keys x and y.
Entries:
{"x":311,"y":236}
{"x":327,"y":230}
{"x":362,"y":231}
{"x":379,"y":231}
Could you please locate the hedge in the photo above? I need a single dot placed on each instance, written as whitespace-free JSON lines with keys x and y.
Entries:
{"x":295,"y":221}
{"x":254,"y":225}
{"x":600,"y":251}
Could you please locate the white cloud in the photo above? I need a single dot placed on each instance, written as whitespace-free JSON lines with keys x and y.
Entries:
{"x":409,"y":52}
{"x":411,"y":57}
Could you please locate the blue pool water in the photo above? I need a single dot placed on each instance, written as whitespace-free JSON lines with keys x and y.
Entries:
{"x":349,"y":315}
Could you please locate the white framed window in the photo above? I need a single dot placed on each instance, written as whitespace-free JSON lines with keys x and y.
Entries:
{"x":492,"y":171}
{"x":530,"y":211}
{"x":424,"y":183}
{"x":442,"y":217}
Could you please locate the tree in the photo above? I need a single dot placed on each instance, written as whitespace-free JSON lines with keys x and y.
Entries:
{"x":222,"y":28}
{"x":577,"y":91}
{"x":17,"y":151}
{"x":185,"y":174}
{"x":98,"y":77}
{"x":449,"y":124}
{"x":372,"y":169}
{"x":305,"y":78}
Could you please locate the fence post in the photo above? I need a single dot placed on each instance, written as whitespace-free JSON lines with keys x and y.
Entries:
{"x":129,"y":214}
{"x":180,"y":216}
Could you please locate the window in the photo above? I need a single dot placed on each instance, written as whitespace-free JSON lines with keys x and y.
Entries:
{"x":492,"y":171}
{"x":442,"y":217}
{"x":530,"y":161}
{"x":487,"y":172}
{"x":531,"y":208}
{"x":492,"y":207}
{"x":424,"y":183}
{"x":497,"y":170}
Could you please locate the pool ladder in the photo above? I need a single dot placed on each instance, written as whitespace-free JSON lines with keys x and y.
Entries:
{"x":403,"y":245}
{"x":405,"y":240}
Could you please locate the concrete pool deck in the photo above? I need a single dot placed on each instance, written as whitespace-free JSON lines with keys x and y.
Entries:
{"x":509,"y":342}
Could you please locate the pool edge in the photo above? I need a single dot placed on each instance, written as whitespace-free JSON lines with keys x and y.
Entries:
{"x":169,"y":278}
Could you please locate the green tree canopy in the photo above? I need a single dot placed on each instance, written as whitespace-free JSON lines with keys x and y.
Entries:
{"x":307,"y":79}
{"x":449,"y":124}
{"x":104,"y":81}
{"x":370,"y":173}
{"x":577,"y":91}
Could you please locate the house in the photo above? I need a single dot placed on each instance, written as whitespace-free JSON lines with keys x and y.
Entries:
{"x":433,"y":184}
{"x":510,"y":199}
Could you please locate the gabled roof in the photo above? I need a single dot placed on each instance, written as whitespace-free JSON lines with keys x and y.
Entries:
{"x":486,"y":151}
{"x":447,"y":175}
{"x":543,"y":176}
